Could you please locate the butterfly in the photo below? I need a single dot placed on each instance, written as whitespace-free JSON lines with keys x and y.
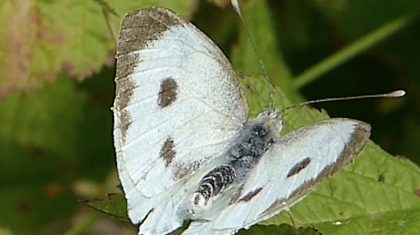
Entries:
{"x":185,"y":147}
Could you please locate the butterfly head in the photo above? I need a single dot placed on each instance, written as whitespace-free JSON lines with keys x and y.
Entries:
{"x":271,"y":119}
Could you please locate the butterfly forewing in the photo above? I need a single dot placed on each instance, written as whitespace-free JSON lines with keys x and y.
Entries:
{"x":177,"y":106}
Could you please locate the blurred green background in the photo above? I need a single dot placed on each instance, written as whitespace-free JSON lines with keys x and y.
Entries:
{"x":56,"y":90}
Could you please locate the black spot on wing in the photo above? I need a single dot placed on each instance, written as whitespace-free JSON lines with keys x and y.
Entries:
{"x":298,"y":167}
{"x":168,"y":92}
{"x":351,"y":150}
{"x":250,"y":195}
{"x":184,"y":169}
{"x":167,"y":152}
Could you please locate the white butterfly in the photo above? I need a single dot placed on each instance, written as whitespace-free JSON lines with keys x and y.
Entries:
{"x":185,"y":148}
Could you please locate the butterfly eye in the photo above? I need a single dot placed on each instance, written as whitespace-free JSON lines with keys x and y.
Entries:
{"x":298,"y":167}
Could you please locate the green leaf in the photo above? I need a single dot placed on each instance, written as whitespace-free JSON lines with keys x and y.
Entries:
{"x":5,"y":231}
{"x":37,"y":148}
{"x":113,"y":204}
{"x":274,"y":229}
{"x":24,"y":118}
{"x":246,"y":61}
{"x":41,"y":39}
{"x":375,"y":195}
{"x":48,"y":140}
{"x":255,"y":87}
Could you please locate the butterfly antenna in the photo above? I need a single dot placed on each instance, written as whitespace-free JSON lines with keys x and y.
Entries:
{"x":393,"y":94}
{"x":236,"y":7}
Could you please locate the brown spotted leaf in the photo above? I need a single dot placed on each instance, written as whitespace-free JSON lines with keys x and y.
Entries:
{"x":41,"y":39}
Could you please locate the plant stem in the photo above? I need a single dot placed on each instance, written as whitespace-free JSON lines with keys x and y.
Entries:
{"x":351,"y":51}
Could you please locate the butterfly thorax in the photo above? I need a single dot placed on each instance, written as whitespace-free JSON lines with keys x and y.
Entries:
{"x":254,"y":140}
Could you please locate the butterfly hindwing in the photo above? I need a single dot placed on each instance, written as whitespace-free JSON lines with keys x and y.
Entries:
{"x":288,"y":171}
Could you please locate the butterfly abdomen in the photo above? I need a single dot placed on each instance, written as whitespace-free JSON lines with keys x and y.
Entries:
{"x":214,"y":182}
{"x":254,"y":140}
